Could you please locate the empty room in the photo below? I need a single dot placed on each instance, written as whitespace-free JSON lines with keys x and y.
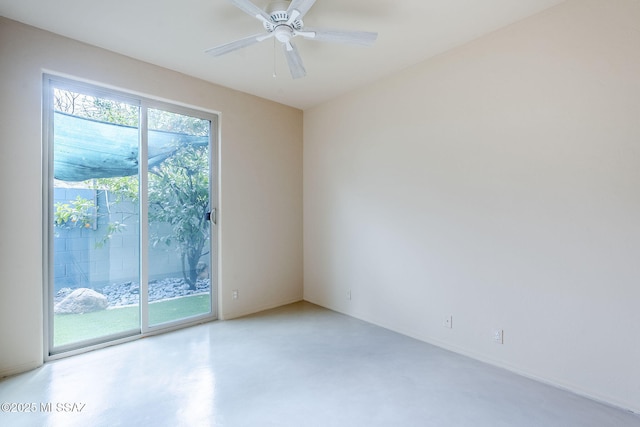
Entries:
{"x":356,"y":213}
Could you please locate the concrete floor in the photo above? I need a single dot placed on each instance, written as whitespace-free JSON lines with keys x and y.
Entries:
{"x":299,"y":365}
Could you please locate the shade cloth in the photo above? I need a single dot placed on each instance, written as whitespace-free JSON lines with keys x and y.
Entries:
{"x":86,"y":148}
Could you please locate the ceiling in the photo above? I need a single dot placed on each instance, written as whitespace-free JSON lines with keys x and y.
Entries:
{"x":174,"y":34}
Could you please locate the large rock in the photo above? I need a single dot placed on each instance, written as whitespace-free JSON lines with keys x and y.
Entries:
{"x":82,"y":300}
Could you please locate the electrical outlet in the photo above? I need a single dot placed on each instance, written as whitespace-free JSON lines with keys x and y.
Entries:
{"x":498,"y":336}
{"x":349,"y":294}
{"x":448,"y":322}
{"x":234,"y":294}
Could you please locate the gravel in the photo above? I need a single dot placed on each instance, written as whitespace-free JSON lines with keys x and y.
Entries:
{"x":128,"y":293}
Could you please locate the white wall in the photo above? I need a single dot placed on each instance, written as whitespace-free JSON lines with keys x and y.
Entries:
{"x":261,"y":181}
{"x":498,"y":183}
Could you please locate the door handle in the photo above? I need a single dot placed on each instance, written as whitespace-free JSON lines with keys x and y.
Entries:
{"x":211,"y":216}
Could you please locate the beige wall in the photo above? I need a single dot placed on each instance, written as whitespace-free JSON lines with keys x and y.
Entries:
{"x":261,"y":181}
{"x":500,"y":184}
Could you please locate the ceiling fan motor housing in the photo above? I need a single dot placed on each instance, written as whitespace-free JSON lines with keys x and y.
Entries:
{"x":278,"y":12}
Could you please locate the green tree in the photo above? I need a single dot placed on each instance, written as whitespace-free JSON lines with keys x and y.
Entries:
{"x":179,"y":196}
{"x":80,"y":212}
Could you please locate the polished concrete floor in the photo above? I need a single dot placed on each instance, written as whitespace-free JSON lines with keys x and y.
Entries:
{"x":298,"y":365}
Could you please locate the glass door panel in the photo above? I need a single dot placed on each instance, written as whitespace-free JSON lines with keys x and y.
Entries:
{"x":95,"y":292}
{"x":179,"y":265}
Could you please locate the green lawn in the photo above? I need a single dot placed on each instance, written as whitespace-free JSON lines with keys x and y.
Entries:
{"x":70,"y":328}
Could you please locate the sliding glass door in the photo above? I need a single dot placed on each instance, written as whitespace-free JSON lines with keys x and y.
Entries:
{"x":130,"y":244}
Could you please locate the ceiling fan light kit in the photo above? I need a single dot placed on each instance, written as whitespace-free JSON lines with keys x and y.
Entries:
{"x":282,"y":20}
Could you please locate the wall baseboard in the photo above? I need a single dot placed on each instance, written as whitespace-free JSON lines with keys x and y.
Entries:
{"x":553,"y":382}
{"x":234,"y":315}
{"x":19,"y":369}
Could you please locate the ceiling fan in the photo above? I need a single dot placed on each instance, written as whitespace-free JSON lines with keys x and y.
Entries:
{"x":283,"y":21}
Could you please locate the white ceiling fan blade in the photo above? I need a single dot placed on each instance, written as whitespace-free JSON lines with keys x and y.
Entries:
{"x":247,"y":7}
{"x":301,"y":6}
{"x":238,"y":44}
{"x":363,"y":38}
{"x":294,"y":60}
